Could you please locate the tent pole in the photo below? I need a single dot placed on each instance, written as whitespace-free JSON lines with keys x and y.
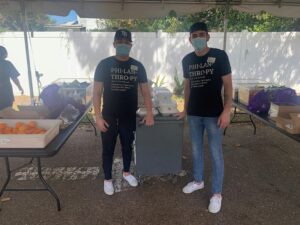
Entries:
{"x":225,"y":24}
{"x":24,"y":19}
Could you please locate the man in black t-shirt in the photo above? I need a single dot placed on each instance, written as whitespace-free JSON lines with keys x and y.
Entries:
{"x":118,"y":78}
{"x":206,"y":70}
{"x":7,"y":72}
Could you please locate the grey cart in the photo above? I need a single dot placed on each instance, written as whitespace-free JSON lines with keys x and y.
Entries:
{"x":158,"y":149}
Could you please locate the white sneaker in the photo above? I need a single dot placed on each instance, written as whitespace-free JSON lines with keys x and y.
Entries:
{"x":215,"y":204}
{"x":108,"y":187}
{"x":132,"y":181}
{"x":192,"y":186}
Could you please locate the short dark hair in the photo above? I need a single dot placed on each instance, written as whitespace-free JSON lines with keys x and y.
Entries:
{"x":198,"y":26}
{"x":3,"y":52}
{"x":123,"y":34}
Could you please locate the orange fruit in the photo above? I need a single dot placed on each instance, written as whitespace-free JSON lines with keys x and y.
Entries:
{"x":19,"y":124}
{"x":14,"y":131}
{"x":21,"y":132}
{"x":22,"y":128}
{"x":3,"y":125}
{"x":8,"y":130}
{"x":32,"y":124}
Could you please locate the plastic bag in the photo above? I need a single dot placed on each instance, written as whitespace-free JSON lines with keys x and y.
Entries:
{"x":283,"y":95}
{"x":259,"y":103}
{"x":51,"y":98}
{"x":69,"y":115}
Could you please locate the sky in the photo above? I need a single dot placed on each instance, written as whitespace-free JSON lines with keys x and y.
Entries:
{"x":72,"y":16}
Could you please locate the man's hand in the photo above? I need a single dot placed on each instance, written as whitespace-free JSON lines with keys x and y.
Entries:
{"x":148,"y":120}
{"x":224,"y":119}
{"x":101,"y":124}
{"x":180,"y":115}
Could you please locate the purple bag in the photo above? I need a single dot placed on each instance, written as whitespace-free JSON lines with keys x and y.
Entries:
{"x":259,"y":103}
{"x":283,"y":95}
{"x":53,"y":100}
{"x":296,"y":100}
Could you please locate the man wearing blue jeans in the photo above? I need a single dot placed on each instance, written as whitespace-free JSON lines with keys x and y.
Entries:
{"x":206,"y":70}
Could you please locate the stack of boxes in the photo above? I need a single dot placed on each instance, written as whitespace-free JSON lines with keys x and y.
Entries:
{"x":162,"y":102}
{"x":142,"y":111}
{"x":166,"y":105}
{"x":286,"y":117}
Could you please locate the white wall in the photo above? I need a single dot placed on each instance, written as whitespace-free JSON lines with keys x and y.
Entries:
{"x":91,"y":24}
{"x":274,"y":57}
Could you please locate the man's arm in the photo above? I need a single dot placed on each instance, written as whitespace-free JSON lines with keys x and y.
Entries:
{"x":17,"y":83}
{"x":97,"y":95}
{"x":224,"y":118}
{"x":186,"y":92}
{"x":149,"y":121}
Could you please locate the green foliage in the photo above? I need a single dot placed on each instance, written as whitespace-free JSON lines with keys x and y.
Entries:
{"x":169,"y":24}
{"x":179,"y":85}
{"x":12,"y":21}
{"x":159,"y":81}
{"x":237,"y":21}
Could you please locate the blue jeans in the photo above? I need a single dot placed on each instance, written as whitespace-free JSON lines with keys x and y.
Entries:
{"x":197,"y":126}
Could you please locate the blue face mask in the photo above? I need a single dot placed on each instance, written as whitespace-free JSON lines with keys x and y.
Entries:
{"x":199,"y":43}
{"x":123,"y":49}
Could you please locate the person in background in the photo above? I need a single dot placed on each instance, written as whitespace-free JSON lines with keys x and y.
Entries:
{"x":206,"y":70}
{"x":8,"y":72}
{"x":117,"y":79}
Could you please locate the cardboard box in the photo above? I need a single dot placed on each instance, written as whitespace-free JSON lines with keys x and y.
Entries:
{"x":25,"y":112}
{"x":277,"y":110}
{"x":287,"y":125}
{"x":245,"y":93}
{"x":295,"y":118}
{"x":289,"y":122}
{"x":30,"y":140}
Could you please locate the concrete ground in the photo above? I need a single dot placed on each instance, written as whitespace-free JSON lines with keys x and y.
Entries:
{"x":262,"y":186}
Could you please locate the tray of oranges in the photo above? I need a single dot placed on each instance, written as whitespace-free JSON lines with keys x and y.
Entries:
{"x":27,"y":133}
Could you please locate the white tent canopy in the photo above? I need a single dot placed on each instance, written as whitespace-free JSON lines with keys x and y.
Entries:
{"x":148,"y":8}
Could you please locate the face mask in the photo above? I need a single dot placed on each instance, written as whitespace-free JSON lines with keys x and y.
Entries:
{"x":199,"y":43}
{"x":123,"y":49}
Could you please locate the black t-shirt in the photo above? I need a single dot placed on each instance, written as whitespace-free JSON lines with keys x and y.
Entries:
{"x":205,"y":77}
{"x":7,"y":71}
{"x":120,"y":81}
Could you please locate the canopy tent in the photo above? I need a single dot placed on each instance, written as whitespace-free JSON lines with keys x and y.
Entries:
{"x":125,"y":9}
{"x":149,"y":8}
